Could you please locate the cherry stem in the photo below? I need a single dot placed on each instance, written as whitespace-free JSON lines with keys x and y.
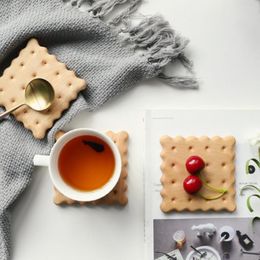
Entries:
{"x":212,"y":198}
{"x":222,"y":191}
{"x":219,"y":190}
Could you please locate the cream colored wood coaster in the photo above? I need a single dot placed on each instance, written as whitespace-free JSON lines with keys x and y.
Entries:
{"x":218,"y":154}
{"x":34,"y":61}
{"x":119,"y":194}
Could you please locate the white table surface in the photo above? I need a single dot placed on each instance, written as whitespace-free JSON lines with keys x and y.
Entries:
{"x":225,"y":48}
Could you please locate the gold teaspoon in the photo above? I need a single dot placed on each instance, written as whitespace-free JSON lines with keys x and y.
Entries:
{"x":39,"y":95}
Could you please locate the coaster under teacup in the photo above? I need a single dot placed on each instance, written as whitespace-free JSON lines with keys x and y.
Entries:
{"x":119,"y":194}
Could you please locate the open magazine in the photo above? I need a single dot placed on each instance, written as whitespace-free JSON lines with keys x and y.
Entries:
{"x":229,"y":231}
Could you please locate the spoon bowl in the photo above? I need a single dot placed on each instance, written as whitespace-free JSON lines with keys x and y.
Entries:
{"x":39,"y":95}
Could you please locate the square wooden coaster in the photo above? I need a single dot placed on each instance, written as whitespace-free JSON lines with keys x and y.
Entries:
{"x":34,"y":61}
{"x":218,"y":154}
{"x":119,"y":194}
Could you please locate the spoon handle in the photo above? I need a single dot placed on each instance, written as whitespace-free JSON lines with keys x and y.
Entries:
{"x":10,"y":110}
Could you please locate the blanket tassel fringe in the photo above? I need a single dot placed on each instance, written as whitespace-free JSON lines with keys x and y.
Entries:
{"x":159,"y":43}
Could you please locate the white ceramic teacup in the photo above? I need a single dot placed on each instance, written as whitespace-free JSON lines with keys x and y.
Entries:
{"x":52,"y":162}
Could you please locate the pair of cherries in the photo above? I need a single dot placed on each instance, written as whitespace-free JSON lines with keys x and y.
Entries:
{"x":194,"y":165}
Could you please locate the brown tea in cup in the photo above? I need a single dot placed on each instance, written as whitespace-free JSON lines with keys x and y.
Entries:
{"x":86,"y":163}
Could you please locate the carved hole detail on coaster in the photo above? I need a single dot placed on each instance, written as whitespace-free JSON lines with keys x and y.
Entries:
{"x":12,"y":100}
{"x":173,"y":165}
{"x":44,"y":62}
{"x":204,"y":148}
{"x":57,"y":73}
{"x":12,"y":77}
{"x":25,"y":111}
{"x":34,"y":74}
{"x":1,"y":90}
{"x":69,"y":84}
{"x":32,"y":51}
{"x":21,"y":64}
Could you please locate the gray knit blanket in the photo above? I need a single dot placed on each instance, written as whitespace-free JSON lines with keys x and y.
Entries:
{"x":101,"y":49}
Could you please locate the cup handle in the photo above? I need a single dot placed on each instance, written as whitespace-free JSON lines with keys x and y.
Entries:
{"x":41,"y":160}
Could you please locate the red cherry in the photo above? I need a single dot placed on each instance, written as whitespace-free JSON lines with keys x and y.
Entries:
{"x":194,"y":164}
{"x":192,"y":184}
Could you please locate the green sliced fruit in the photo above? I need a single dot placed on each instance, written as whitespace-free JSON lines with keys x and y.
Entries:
{"x":248,"y":203}
{"x":249,"y":186}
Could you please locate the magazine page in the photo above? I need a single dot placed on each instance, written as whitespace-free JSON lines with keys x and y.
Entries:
{"x":207,"y":209}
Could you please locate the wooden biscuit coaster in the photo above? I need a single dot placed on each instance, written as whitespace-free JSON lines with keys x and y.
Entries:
{"x":34,"y":61}
{"x":218,"y":154}
{"x":119,"y":194}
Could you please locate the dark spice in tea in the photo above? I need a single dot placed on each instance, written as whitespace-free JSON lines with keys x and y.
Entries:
{"x":95,"y":146}
{"x":86,"y":163}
